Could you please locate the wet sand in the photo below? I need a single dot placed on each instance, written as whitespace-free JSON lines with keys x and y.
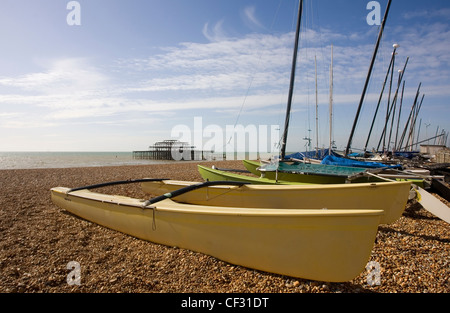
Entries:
{"x":38,"y":240}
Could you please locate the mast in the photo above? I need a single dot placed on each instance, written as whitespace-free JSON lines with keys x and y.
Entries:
{"x":291,"y":87}
{"x":413,"y":125}
{"x":394,"y":104}
{"x":410,"y":116}
{"x":380,"y":98}
{"x":331,"y":102}
{"x":399,"y":115}
{"x":388,"y":107}
{"x":383,"y":136}
{"x":380,"y":35}
{"x":418,"y":133}
{"x":317,"y":113}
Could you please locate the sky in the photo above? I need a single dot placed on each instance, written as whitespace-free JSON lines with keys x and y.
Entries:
{"x":116,"y":75}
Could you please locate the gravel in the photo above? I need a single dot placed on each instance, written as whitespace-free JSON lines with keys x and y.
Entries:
{"x":39,"y":240}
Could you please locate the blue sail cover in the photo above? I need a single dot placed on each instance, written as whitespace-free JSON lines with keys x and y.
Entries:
{"x":312,"y":169}
{"x":318,"y":155}
{"x":407,"y":154}
{"x":334,"y":160}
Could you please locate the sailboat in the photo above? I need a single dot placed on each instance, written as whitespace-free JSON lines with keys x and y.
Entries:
{"x":292,"y":170}
{"x":333,"y":168}
{"x":315,"y":173}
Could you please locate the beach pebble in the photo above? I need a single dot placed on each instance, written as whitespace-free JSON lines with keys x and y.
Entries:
{"x":38,"y":240}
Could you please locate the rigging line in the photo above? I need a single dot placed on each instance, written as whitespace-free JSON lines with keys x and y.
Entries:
{"x":282,"y":108}
{"x":384,"y":59}
{"x":371,"y":82}
{"x":294,"y":17}
{"x":276,"y":14}
{"x":254,"y":73}
{"x":326,"y":68}
{"x":348,"y":147}
{"x":304,"y":40}
{"x":291,"y":84}
{"x":324,"y":65}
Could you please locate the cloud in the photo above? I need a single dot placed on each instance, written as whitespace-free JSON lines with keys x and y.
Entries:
{"x":215,"y":34}
{"x":193,"y":82}
{"x":69,"y":85}
{"x":71,"y":75}
{"x":427,"y":47}
{"x":215,"y":76}
{"x":221,"y":56}
{"x":218,"y":76}
{"x":434,"y":13}
{"x":251,"y":20}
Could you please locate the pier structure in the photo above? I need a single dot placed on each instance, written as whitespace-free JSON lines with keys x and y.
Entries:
{"x":171,"y":150}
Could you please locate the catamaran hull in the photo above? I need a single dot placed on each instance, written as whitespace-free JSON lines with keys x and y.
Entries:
{"x":321,"y":245}
{"x":252,"y":167}
{"x":389,"y":197}
{"x":210,"y":174}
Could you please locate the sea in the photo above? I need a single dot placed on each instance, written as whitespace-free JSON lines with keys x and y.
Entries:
{"x":34,"y":160}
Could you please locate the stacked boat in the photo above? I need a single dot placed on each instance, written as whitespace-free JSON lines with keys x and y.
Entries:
{"x":301,"y":172}
{"x":306,"y":174}
{"x":389,"y":197}
{"x":317,"y":232}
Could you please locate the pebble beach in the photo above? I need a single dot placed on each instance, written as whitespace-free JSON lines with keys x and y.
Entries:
{"x":38,"y":240}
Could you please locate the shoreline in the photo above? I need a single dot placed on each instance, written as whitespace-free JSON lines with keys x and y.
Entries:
{"x":38,"y":240}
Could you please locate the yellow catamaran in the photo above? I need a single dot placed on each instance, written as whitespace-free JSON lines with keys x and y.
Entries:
{"x":316,"y":244}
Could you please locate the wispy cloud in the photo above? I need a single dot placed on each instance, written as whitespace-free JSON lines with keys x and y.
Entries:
{"x":63,"y":76}
{"x":250,"y":19}
{"x":428,"y":49}
{"x":215,"y":33}
{"x":434,"y":13}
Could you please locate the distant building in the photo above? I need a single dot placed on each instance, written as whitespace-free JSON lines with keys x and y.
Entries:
{"x":438,"y":153}
{"x":430,"y":149}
